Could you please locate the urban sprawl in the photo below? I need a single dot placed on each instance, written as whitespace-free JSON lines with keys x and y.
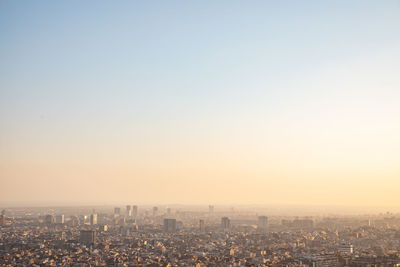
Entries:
{"x":203,"y":236}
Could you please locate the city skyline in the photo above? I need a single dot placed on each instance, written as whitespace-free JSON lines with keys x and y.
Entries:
{"x":263,"y":103}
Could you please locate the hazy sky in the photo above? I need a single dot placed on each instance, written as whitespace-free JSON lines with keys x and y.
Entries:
{"x":253,"y":102}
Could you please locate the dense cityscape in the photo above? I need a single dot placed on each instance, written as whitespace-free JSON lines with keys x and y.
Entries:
{"x":202,"y":236}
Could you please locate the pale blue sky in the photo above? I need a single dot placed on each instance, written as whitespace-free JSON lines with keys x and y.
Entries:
{"x":81,"y":77}
{"x":73,"y":53}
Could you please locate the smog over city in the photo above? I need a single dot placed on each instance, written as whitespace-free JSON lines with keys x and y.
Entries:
{"x":200,"y":133}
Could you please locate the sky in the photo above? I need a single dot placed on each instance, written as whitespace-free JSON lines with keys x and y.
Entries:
{"x":200,"y":102}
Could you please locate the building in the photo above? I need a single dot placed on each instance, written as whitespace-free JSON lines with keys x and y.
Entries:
{"x":168,"y":211}
{"x":155,"y":211}
{"x":179,"y":225}
{"x":128,"y":211}
{"x":169,"y":225}
{"x":74,"y":221}
{"x":60,"y":219}
{"x":345,"y":248}
{"x":262,"y":223}
{"x":202,"y":226}
{"x":225,"y":223}
{"x":93,"y":219}
{"x":103,"y":228}
{"x":49,"y":219}
{"x":134,"y":211}
{"x":88,"y":237}
{"x":373,"y":261}
{"x":2,"y":220}
{"x":117,"y":211}
{"x":323,"y":260}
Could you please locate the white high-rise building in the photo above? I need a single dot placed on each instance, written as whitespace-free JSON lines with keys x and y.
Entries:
{"x":128,"y":211}
{"x":93,"y":219}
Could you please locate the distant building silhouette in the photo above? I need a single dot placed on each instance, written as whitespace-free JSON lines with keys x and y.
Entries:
{"x":49,"y":219}
{"x":60,"y":219}
{"x":117,"y":211}
{"x":2,"y":220}
{"x":225,"y":223}
{"x":88,"y":237}
{"x":155,"y":211}
{"x":262,"y":223}
{"x":169,"y":225}
{"x":134,"y":211}
{"x":202,"y":226}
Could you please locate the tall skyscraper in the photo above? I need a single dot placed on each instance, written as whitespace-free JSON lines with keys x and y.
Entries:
{"x":169,"y":225}
{"x":60,"y":219}
{"x":168,"y":211}
{"x":128,"y":211}
{"x":155,"y":211}
{"x":93,"y":219}
{"x":88,"y":237}
{"x":225,"y":223}
{"x":134,"y":211}
{"x":49,"y":219}
{"x":202,"y":226}
{"x":262,"y":223}
{"x":117,"y":211}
